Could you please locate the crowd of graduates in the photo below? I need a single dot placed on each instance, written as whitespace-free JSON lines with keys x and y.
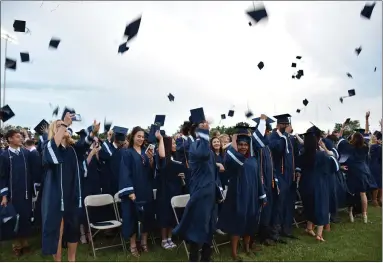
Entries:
{"x":244,"y":186}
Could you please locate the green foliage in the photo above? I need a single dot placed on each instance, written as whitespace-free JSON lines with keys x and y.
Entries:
{"x":353,"y":125}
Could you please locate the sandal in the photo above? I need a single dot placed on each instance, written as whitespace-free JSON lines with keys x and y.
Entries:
{"x":310,"y":232}
{"x":319,"y":238}
{"x":134,"y":252}
{"x":144,"y":248}
{"x":17,"y":251}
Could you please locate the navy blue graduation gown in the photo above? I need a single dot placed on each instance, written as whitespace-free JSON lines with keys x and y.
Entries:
{"x":332,"y":180}
{"x":16,"y":182}
{"x":240,"y":211}
{"x":136,"y":176}
{"x":283,"y":159}
{"x":111,"y":158}
{"x":223,"y":176}
{"x":62,"y":195}
{"x":37,"y":171}
{"x":376,"y":163}
{"x":267,"y":175}
{"x":182,"y":148}
{"x":169,"y":185}
{"x":314,"y":187}
{"x":359,"y":178}
{"x":199,"y":219}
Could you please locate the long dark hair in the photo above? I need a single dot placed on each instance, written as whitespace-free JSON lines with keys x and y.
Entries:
{"x":132,"y":134}
{"x":357,"y":140}
{"x":310,"y":149}
{"x":168,"y":143}
{"x":192,"y":130}
{"x":186,"y":128}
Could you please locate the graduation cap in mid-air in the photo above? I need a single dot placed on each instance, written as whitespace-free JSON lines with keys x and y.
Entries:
{"x":305,"y":102}
{"x":56,"y":111}
{"x":230,"y":113}
{"x":107,"y":125}
{"x":257,"y":14}
{"x":170,"y":97}
{"x":358,"y":50}
{"x":66,"y":109}
{"x":261,"y":65}
{"x":123,"y":48}
{"x":298,"y":110}
{"x":351,"y":93}
{"x":24,"y":56}
{"x":160,"y":120}
{"x":6,"y":113}
{"x":293,"y":65}
{"x":54,"y":43}
{"x":39,"y":129}
{"x":367,"y":10}
{"x":19,"y":26}
{"x":298,"y":57}
{"x":120,"y":133}
{"x":349,"y":75}
{"x":249,"y":114}
{"x":9,"y":214}
{"x":10,"y":64}
{"x":223,"y":116}
{"x":375,"y":69}
{"x":283,"y":118}
{"x":197,"y":115}
{"x":132,"y":28}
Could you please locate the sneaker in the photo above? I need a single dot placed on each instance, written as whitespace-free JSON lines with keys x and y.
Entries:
{"x":365,"y":220}
{"x":351,"y":217}
{"x":171,"y":244}
{"x":165,"y":245}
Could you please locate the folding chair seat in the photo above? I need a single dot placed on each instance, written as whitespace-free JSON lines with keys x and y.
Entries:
{"x":98,"y":201}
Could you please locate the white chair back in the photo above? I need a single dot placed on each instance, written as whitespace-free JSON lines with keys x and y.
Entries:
{"x":117,"y":199}
{"x":180,"y":201}
{"x":98,"y":200}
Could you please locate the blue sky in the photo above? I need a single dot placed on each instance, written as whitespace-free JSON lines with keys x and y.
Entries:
{"x":203,"y":52}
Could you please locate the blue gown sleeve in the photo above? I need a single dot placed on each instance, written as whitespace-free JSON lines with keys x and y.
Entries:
{"x":259,"y":140}
{"x":4,"y":176}
{"x":51,"y":155}
{"x":200,"y":149}
{"x":182,"y":143}
{"x":334,"y":164}
{"x":277,"y":144}
{"x":234,"y":160}
{"x":81,"y":146}
{"x":125,"y":183}
{"x":105,"y":152}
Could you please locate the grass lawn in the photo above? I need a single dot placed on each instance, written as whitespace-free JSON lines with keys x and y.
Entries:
{"x":345,"y":242}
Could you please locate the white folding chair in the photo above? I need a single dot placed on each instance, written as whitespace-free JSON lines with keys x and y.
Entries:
{"x":117,"y":200}
{"x":97,"y":201}
{"x":151,"y":236}
{"x":180,"y":201}
{"x":298,"y":208}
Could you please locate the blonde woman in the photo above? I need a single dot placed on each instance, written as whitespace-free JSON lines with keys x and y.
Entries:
{"x":225,"y":140}
{"x":62,"y":188}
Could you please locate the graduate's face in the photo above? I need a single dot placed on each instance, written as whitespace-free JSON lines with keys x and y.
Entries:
{"x":243,"y":147}
{"x":58,"y":125}
{"x":16,"y":140}
{"x":174,"y":146}
{"x":139,"y":138}
{"x":216,"y":144}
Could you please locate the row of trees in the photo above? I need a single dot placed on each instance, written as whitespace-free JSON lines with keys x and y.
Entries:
{"x":354,"y":124}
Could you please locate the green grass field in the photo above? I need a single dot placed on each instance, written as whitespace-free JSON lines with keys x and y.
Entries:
{"x":345,"y":242}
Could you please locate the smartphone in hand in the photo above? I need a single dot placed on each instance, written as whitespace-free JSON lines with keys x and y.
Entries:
{"x":76,"y":117}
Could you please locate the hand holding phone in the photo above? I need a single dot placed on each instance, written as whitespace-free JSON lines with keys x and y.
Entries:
{"x":76,"y":117}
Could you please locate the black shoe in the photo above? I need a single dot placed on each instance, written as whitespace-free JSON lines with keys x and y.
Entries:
{"x":290,"y":236}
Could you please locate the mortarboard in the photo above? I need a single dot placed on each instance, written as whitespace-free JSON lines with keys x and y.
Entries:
{"x":66,"y":109}
{"x":223,"y":116}
{"x":19,"y":26}
{"x":152,"y":133}
{"x":300,"y":72}
{"x":7,"y":213}
{"x":298,"y":110}
{"x":367,"y":10}
{"x":293,"y":77}
{"x":358,"y":50}
{"x":81,"y":133}
{"x":55,"y":111}
{"x":160,"y":120}
{"x":362,"y":131}
{"x":132,"y":28}
{"x":123,"y":48}
{"x":351,"y":92}
{"x":261,"y":65}
{"x":197,"y":115}
{"x":375,"y":69}
{"x":39,"y":129}
{"x":349,"y":75}
{"x":120,"y":133}
{"x":298,"y":57}
{"x":315,"y":130}
{"x":231,"y":113}
{"x":257,"y":14}
{"x":249,"y":114}
{"x":305,"y":102}
{"x":24,"y":56}
{"x":378,"y":135}
{"x":293,"y":65}
{"x":6,"y":113}
{"x":54,"y":43}
{"x":171,"y":97}
{"x":298,"y":76}
{"x":242,"y":129}
{"x":10,"y":64}
{"x":283,"y":118}
{"x":70,"y":131}
{"x":107,"y":125}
